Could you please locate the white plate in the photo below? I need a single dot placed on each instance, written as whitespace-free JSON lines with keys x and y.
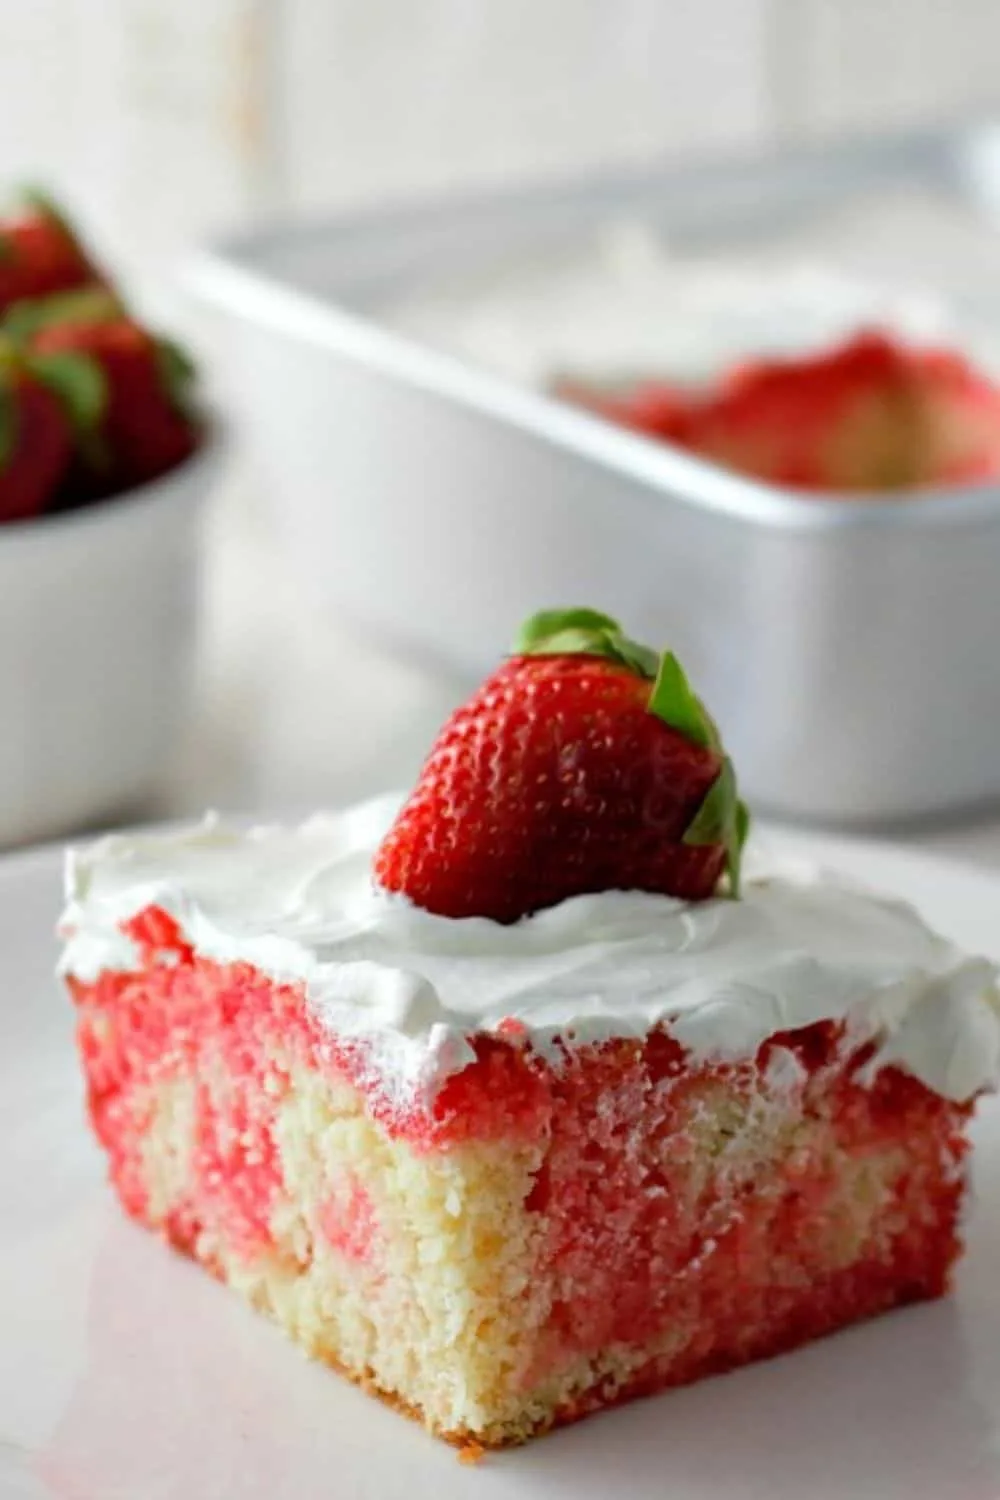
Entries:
{"x":127,"y":1374}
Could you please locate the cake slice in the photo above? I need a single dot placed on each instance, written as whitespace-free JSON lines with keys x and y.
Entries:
{"x":507,"y":1172}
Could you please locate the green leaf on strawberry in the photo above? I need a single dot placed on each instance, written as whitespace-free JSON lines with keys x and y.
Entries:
{"x":178,"y":373}
{"x":81,"y":386}
{"x":674,"y":701}
{"x":723,"y":818}
{"x":583,"y":632}
{"x":32,"y":315}
{"x":79,"y":382}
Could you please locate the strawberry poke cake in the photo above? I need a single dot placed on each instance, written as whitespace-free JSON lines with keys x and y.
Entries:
{"x":872,"y":415}
{"x":520,"y":1098}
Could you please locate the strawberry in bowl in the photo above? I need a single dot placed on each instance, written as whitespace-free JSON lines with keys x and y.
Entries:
{"x":141,"y":417}
{"x":41,"y":252}
{"x":101,"y":404}
{"x":36,"y":439}
{"x":106,"y":462}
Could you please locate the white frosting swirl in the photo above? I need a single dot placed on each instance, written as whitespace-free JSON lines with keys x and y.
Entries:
{"x":800,"y":947}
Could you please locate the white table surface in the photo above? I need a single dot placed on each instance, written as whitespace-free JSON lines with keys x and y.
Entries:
{"x":298,"y":710}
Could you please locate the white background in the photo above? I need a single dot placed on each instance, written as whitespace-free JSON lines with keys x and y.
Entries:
{"x":163,"y":119}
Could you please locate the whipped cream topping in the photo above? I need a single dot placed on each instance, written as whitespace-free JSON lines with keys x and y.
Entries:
{"x":801,"y":946}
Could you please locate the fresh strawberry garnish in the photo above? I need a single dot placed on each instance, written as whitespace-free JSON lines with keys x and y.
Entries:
{"x":584,"y":763}
{"x":871,"y":415}
{"x":140,"y":419}
{"x":36,"y":441}
{"x":40,"y":253}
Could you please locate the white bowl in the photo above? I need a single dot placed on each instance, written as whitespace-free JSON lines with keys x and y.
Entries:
{"x":98,"y":629}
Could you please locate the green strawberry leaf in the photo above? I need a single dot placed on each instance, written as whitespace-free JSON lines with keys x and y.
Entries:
{"x":674,"y":701}
{"x":716,"y":817}
{"x":178,"y":373}
{"x":89,"y":305}
{"x":643,"y":660}
{"x":570,"y":632}
{"x":548,"y":622}
{"x":722,"y":818}
{"x":79,"y":382}
{"x":742,"y":826}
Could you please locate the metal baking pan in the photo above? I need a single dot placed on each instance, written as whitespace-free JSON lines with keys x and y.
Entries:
{"x":848,"y":647}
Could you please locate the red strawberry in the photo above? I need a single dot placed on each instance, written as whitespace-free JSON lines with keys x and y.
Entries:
{"x":871,"y":414}
{"x":36,"y":441}
{"x":141,"y":420}
{"x":40,"y":253}
{"x":584,"y":763}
